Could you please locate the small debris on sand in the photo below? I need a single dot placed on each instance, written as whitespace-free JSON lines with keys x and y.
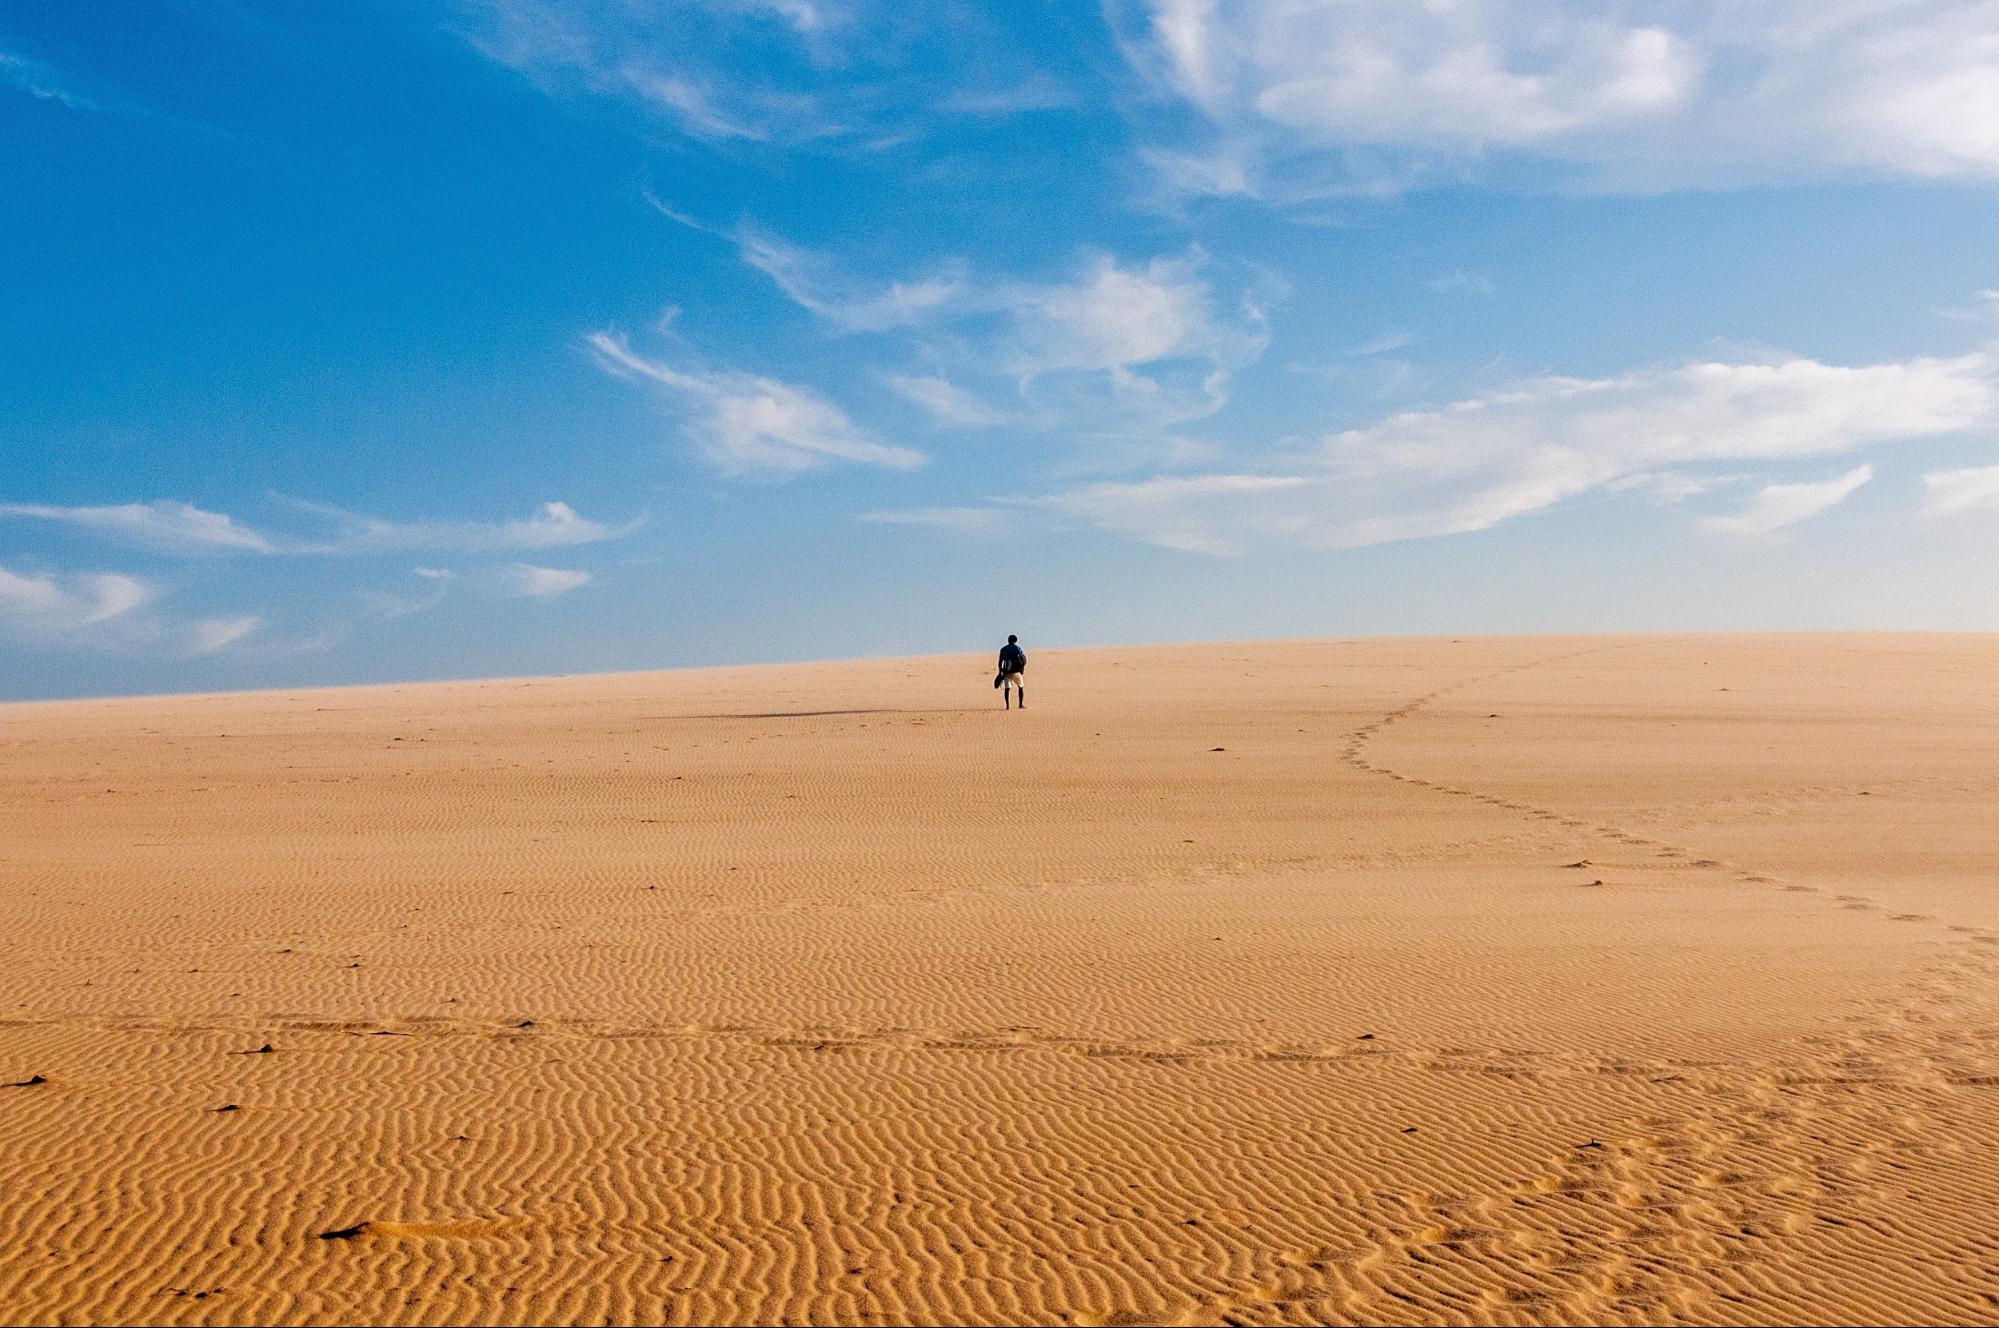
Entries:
{"x":344,"y":1233}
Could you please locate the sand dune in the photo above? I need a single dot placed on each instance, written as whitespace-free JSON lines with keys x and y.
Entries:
{"x":1621,"y":979}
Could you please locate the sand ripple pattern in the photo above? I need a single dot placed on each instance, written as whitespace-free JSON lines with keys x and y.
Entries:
{"x":1623,"y":980}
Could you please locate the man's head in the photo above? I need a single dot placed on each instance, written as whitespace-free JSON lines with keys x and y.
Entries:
{"x":1013,"y":640}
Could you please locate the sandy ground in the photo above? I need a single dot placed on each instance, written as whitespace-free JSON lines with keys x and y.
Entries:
{"x":1627,"y":979}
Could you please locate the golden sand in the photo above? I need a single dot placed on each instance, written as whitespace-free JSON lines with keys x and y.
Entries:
{"x":1613,"y":979}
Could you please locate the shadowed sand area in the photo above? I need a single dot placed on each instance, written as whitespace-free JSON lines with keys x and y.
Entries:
{"x":1502,"y":980}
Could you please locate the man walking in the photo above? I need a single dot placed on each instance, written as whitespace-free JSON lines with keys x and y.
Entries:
{"x":1012,"y":668}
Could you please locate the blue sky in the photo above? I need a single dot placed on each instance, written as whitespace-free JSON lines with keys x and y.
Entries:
{"x":345,"y":342}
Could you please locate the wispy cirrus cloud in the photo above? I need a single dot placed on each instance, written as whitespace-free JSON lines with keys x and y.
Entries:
{"x":960,"y":520}
{"x":526,"y":581}
{"x":175,"y":527}
{"x":1972,"y":489}
{"x":693,"y":104}
{"x":745,"y":423}
{"x":1112,"y":317}
{"x":553,"y":525}
{"x":108,"y":611}
{"x":1213,"y":514}
{"x":164,"y":525}
{"x":814,"y":282}
{"x":746,"y":76}
{"x":1036,"y":92}
{"x":1775,"y":507}
{"x":433,"y":583}
{"x":1115,"y":344}
{"x":54,"y":603}
{"x":45,"y":82}
{"x":1478,"y":462}
{"x":948,"y":404}
{"x":685,"y":64}
{"x":1124,"y":346}
{"x":1303,"y":98}
{"x":212,"y":634}
{"x":809,"y":281}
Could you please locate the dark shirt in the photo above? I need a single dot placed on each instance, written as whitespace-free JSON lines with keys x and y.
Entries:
{"x":1012,"y":659}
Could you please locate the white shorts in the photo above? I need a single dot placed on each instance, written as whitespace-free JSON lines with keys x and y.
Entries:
{"x":1014,"y":680}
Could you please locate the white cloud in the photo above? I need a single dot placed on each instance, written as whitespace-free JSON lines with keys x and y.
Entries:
{"x":1146,"y":343}
{"x":165,"y":525}
{"x":1986,"y":310}
{"x":530,"y":582}
{"x":745,"y":422}
{"x":102,"y":610}
{"x":1382,"y":344}
{"x":691,"y":104}
{"x":1776,"y":506}
{"x":1154,"y":337}
{"x":1113,"y":317}
{"x":553,"y":525}
{"x":693,"y":66}
{"x":1226,"y":169}
{"x":1486,"y":460}
{"x":803,"y":15}
{"x":53,"y":603}
{"x":169,"y":526}
{"x":1669,"y":486}
{"x":813,"y":282}
{"x":1036,"y":92}
{"x":213,"y":634}
{"x":808,"y":280}
{"x":1445,"y":77}
{"x":40,"y":81}
{"x":1957,"y":492}
{"x":1195,"y":513}
{"x":1306,"y":97}
{"x":963,"y":520}
{"x":949,"y":404}
{"x":404,"y":604}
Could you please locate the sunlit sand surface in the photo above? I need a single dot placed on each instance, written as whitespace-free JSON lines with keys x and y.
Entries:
{"x":1570,"y":980}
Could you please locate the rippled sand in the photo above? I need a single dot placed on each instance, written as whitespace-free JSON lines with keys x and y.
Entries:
{"x":1574,"y":980}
